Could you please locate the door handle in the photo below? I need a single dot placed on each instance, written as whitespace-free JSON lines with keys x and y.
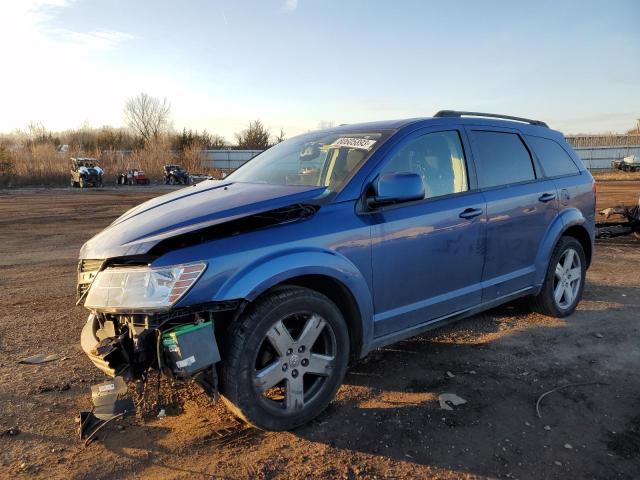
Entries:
{"x":470,"y":213}
{"x":547,"y":197}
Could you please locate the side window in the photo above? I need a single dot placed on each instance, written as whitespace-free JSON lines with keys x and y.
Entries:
{"x":555,"y":161}
{"x":438,"y":158}
{"x":501,"y":158}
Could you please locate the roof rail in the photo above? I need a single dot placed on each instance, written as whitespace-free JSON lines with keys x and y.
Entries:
{"x":455,"y":113}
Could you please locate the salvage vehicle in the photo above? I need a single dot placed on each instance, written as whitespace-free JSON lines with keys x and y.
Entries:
{"x":133,"y":176}
{"x":264,"y":286}
{"x":627,"y":221}
{"x":85,"y":172}
{"x":628,"y":164}
{"x":175,"y":175}
{"x":199,"y":177}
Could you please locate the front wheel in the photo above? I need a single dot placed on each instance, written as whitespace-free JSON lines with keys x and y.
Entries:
{"x":564,"y":281}
{"x":285,"y":359}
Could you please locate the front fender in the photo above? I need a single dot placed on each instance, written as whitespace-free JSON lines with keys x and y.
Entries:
{"x":266,"y":272}
{"x":564,"y":220}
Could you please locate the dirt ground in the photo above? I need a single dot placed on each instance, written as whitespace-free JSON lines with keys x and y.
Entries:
{"x":386,"y":421}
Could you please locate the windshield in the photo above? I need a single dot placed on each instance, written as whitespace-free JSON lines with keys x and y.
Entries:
{"x":314,"y":159}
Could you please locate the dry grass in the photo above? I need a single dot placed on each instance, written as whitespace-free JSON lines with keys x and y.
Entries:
{"x":41,"y":165}
{"x":608,"y":175}
{"x":604,"y":140}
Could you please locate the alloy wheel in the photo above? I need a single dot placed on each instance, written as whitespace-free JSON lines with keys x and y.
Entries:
{"x":567,"y":280}
{"x":294,"y":361}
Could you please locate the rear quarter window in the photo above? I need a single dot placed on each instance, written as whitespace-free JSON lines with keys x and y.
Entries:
{"x":501,"y":158}
{"x":554,"y":159}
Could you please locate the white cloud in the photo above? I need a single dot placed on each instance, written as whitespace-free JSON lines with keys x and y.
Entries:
{"x":51,"y":72}
{"x":290,"y":5}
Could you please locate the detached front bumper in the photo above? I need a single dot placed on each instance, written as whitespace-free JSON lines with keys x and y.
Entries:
{"x":180,"y":343}
{"x":90,"y":342}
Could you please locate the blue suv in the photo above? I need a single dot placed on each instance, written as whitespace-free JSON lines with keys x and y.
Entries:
{"x":264,"y":286}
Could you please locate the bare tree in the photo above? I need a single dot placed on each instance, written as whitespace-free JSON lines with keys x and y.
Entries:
{"x":217,"y":142}
{"x":255,"y":137}
{"x":148,"y":116}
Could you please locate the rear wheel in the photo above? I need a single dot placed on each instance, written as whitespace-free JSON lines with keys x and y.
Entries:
{"x":564,"y":282}
{"x":285,"y":359}
{"x":172,"y":180}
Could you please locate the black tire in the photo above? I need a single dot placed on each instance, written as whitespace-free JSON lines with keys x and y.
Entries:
{"x":172,"y":180}
{"x":246,"y":347}
{"x":545,"y":302}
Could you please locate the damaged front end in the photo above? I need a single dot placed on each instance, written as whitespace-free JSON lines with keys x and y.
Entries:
{"x":180,"y":344}
{"x":149,"y":289}
{"x":133,"y":327}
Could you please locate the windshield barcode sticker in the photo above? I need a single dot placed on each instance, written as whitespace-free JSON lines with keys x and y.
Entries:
{"x":352,"y":142}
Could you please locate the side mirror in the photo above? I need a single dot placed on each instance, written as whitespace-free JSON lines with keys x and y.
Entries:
{"x":396,"y":187}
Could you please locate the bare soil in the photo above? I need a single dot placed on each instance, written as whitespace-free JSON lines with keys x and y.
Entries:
{"x":386,"y":421}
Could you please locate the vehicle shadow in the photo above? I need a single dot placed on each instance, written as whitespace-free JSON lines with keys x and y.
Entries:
{"x":499,"y":363}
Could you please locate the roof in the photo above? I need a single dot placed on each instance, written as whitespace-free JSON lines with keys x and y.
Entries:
{"x":450,"y":117}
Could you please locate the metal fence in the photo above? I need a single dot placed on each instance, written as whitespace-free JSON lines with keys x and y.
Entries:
{"x":598,"y":158}
{"x":227,"y":159}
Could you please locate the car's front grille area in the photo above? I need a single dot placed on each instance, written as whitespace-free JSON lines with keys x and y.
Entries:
{"x":87,"y":270}
{"x":89,"y":265}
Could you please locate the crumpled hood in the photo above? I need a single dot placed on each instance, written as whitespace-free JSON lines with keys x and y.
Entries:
{"x":188,"y":209}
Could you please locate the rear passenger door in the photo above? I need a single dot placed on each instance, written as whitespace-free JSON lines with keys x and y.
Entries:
{"x":521,"y":204}
{"x":574,"y":191}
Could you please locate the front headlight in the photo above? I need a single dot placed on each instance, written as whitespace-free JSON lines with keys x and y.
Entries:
{"x":142,"y":288}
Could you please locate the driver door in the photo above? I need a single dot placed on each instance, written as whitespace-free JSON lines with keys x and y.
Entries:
{"x":427,"y":255}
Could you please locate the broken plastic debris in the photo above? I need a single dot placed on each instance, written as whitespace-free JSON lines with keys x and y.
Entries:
{"x":39,"y":358}
{"x":450,"y":375}
{"x":450,"y":398}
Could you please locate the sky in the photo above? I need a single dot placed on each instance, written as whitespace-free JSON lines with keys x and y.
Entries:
{"x":295,"y":64}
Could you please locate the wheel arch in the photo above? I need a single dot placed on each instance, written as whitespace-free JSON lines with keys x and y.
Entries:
{"x":570,"y":222}
{"x":328,"y":273}
{"x":579,"y":232}
{"x":338,"y":293}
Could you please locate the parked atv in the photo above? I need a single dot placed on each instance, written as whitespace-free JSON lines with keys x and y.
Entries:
{"x":175,"y":175}
{"x":85,"y":172}
{"x":132,"y":177}
{"x":627,"y":164}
